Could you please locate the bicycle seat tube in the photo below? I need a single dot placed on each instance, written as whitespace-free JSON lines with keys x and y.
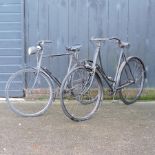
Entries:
{"x":116,"y":83}
{"x":97,"y":50}
{"x":73,"y":60}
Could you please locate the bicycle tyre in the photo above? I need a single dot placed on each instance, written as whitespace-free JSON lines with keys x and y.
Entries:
{"x":77,"y":104}
{"x":35,"y":98}
{"x":131,"y":93}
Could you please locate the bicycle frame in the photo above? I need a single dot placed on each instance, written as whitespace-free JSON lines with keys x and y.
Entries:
{"x":113,"y":84}
{"x":73,"y":60}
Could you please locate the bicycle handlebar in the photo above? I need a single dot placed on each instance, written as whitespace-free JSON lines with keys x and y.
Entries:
{"x":121,"y":44}
{"x":114,"y":38}
{"x":39,"y":47}
{"x":42,"y":42}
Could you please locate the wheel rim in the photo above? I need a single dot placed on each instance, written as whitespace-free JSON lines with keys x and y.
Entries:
{"x":31,"y":100}
{"x":78,"y":102}
{"x":135,"y":76}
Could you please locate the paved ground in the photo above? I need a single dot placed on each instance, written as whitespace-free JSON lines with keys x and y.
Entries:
{"x":116,"y":129}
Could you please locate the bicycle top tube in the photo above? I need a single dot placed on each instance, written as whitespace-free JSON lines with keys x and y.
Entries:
{"x":72,"y":50}
{"x":55,"y":55}
{"x":38,"y":50}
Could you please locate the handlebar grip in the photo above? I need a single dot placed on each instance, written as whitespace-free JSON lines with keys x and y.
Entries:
{"x":114,"y":38}
{"x":42,"y":42}
{"x":47,"y":41}
{"x":121,"y":44}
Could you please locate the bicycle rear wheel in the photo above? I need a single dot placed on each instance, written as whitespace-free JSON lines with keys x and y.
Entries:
{"x":80,"y":99}
{"x":132,"y":77}
{"x":28,"y":92}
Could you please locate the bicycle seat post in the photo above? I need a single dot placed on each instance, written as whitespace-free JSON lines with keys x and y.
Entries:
{"x":98,"y":44}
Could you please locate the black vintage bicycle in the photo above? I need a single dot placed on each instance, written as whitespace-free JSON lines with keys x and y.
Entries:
{"x":86,"y":90}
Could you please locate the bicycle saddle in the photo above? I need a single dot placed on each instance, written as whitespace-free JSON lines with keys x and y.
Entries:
{"x":74,"y":48}
{"x":124,"y":44}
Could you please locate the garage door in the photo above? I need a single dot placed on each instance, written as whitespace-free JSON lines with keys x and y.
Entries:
{"x":11,"y":39}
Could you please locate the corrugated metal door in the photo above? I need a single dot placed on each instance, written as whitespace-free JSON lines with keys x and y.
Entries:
{"x":11,"y":39}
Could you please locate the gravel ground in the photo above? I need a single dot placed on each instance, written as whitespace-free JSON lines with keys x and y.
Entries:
{"x":116,"y":129}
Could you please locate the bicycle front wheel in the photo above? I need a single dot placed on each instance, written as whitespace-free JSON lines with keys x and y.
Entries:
{"x":28,"y":92}
{"x":132,"y":80}
{"x":80,"y":94}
